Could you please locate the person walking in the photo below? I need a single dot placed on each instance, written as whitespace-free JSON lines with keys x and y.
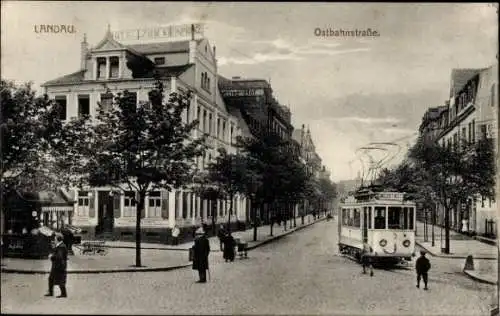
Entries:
{"x":201,"y":250}
{"x":366,"y":259}
{"x":422,"y":266}
{"x":221,"y":234}
{"x":229,"y":245}
{"x":175,"y":235}
{"x":58,"y":270}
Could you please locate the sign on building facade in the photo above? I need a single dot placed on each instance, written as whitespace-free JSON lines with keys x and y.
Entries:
{"x":173,"y":32}
{"x":242,"y":92}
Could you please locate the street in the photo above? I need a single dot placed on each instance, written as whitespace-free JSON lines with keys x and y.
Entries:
{"x":298,"y":274}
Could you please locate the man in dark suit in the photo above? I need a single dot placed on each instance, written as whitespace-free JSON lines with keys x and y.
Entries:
{"x":422,"y":266}
{"x":201,"y":249}
{"x":57,"y":275}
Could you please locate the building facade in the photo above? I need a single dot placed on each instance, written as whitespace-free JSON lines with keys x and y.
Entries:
{"x":470,"y":115}
{"x":112,"y":67}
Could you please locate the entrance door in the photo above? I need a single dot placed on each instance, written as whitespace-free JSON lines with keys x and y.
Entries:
{"x":365,"y":223}
{"x":105,"y":212}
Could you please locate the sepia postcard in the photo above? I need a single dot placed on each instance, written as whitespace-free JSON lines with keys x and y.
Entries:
{"x":263,"y":158}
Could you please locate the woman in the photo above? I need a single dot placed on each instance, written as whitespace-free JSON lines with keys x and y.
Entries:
{"x":229,"y":244}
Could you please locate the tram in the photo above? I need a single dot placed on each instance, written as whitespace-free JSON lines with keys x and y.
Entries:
{"x":383,"y":220}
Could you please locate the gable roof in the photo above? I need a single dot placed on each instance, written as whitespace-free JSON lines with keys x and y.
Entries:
{"x":460,"y":76}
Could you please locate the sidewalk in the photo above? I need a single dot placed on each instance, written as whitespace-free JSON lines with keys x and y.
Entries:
{"x":155,"y":257}
{"x":485,"y":255}
{"x":461,"y":246}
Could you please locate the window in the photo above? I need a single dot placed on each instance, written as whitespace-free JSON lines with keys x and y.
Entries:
{"x":379,"y":217}
{"x":114,"y":67}
{"x":106,"y":101}
{"x":210,"y":124}
{"x":83,"y":204}
{"x":469,"y":139}
{"x":473,"y":131}
{"x":188,"y":109}
{"x":62,"y":106}
{"x":218,"y":127}
{"x":204,"y":121}
{"x":133,"y":99}
{"x":356,"y":218}
{"x":101,"y":68}
{"x":159,"y":60}
{"x":154,"y":206}
{"x":129,"y":207}
{"x":484,"y":132}
{"x":83,"y":105}
{"x":224,"y":130}
{"x":231,"y":134}
{"x":395,"y":218}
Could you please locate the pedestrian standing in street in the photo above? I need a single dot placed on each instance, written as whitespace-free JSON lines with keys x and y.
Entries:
{"x":366,"y":259}
{"x":229,"y":245}
{"x":221,"y":234}
{"x":175,"y":235}
{"x":201,"y":250}
{"x":422,"y":266}
{"x":58,"y":272}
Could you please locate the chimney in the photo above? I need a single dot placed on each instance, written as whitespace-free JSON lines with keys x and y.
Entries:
{"x":84,"y":52}
{"x":192,"y":46}
{"x":214,"y":52}
{"x":192,"y":32}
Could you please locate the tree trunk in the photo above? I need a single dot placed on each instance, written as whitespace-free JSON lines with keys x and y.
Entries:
{"x":254,"y":215}
{"x":139,"y":209}
{"x":214,"y":214}
{"x":271,"y":213}
{"x":229,"y":213}
{"x":446,"y":230}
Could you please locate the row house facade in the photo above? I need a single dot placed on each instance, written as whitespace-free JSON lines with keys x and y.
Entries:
{"x":471,"y":114}
{"x":111,"y":67}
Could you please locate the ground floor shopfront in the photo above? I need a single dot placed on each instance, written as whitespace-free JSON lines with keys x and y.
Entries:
{"x":103,"y":213}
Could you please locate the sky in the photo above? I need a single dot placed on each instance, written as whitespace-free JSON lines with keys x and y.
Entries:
{"x":349,"y":91}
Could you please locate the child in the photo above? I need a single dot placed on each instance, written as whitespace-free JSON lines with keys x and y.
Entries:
{"x":366,"y":259}
{"x":422,"y":266}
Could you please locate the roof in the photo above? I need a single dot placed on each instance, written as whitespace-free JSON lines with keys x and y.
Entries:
{"x":75,"y":77}
{"x":460,"y":76}
{"x":166,"y":47}
{"x":243,"y":83}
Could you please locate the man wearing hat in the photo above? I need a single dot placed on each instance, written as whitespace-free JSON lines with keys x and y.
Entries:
{"x":201,"y":249}
{"x":422,"y":266}
{"x":57,"y":274}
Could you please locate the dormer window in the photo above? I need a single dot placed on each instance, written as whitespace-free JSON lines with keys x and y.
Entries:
{"x":101,"y":68}
{"x":159,"y":60}
{"x":114,"y":63}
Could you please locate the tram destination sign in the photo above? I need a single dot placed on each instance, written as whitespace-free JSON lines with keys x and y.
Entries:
{"x":242,"y":92}
{"x":160,"y":32}
{"x":396,"y":196}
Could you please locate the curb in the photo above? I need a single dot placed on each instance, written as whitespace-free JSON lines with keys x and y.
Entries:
{"x":477,"y":278}
{"x":451,"y":256}
{"x":131,"y":269}
{"x":157,"y":269}
{"x":283,"y":235}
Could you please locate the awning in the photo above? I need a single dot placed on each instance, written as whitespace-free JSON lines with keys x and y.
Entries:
{"x":50,"y":201}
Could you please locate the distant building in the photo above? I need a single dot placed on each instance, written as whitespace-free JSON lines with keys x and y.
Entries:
{"x":184,"y":65}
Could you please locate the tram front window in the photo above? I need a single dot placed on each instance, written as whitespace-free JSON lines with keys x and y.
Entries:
{"x":396,"y":218}
{"x":379,"y":217}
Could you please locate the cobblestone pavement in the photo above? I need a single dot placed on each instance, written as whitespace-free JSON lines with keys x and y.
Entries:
{"x":299,"y":274}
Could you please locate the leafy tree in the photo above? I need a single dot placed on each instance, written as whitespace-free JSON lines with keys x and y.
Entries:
{"x":328,"y":189}
{"x":30,"y":127}
{"x":274,"y":160}
{"x":451,"y":174}
{"x":140,"y":149}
